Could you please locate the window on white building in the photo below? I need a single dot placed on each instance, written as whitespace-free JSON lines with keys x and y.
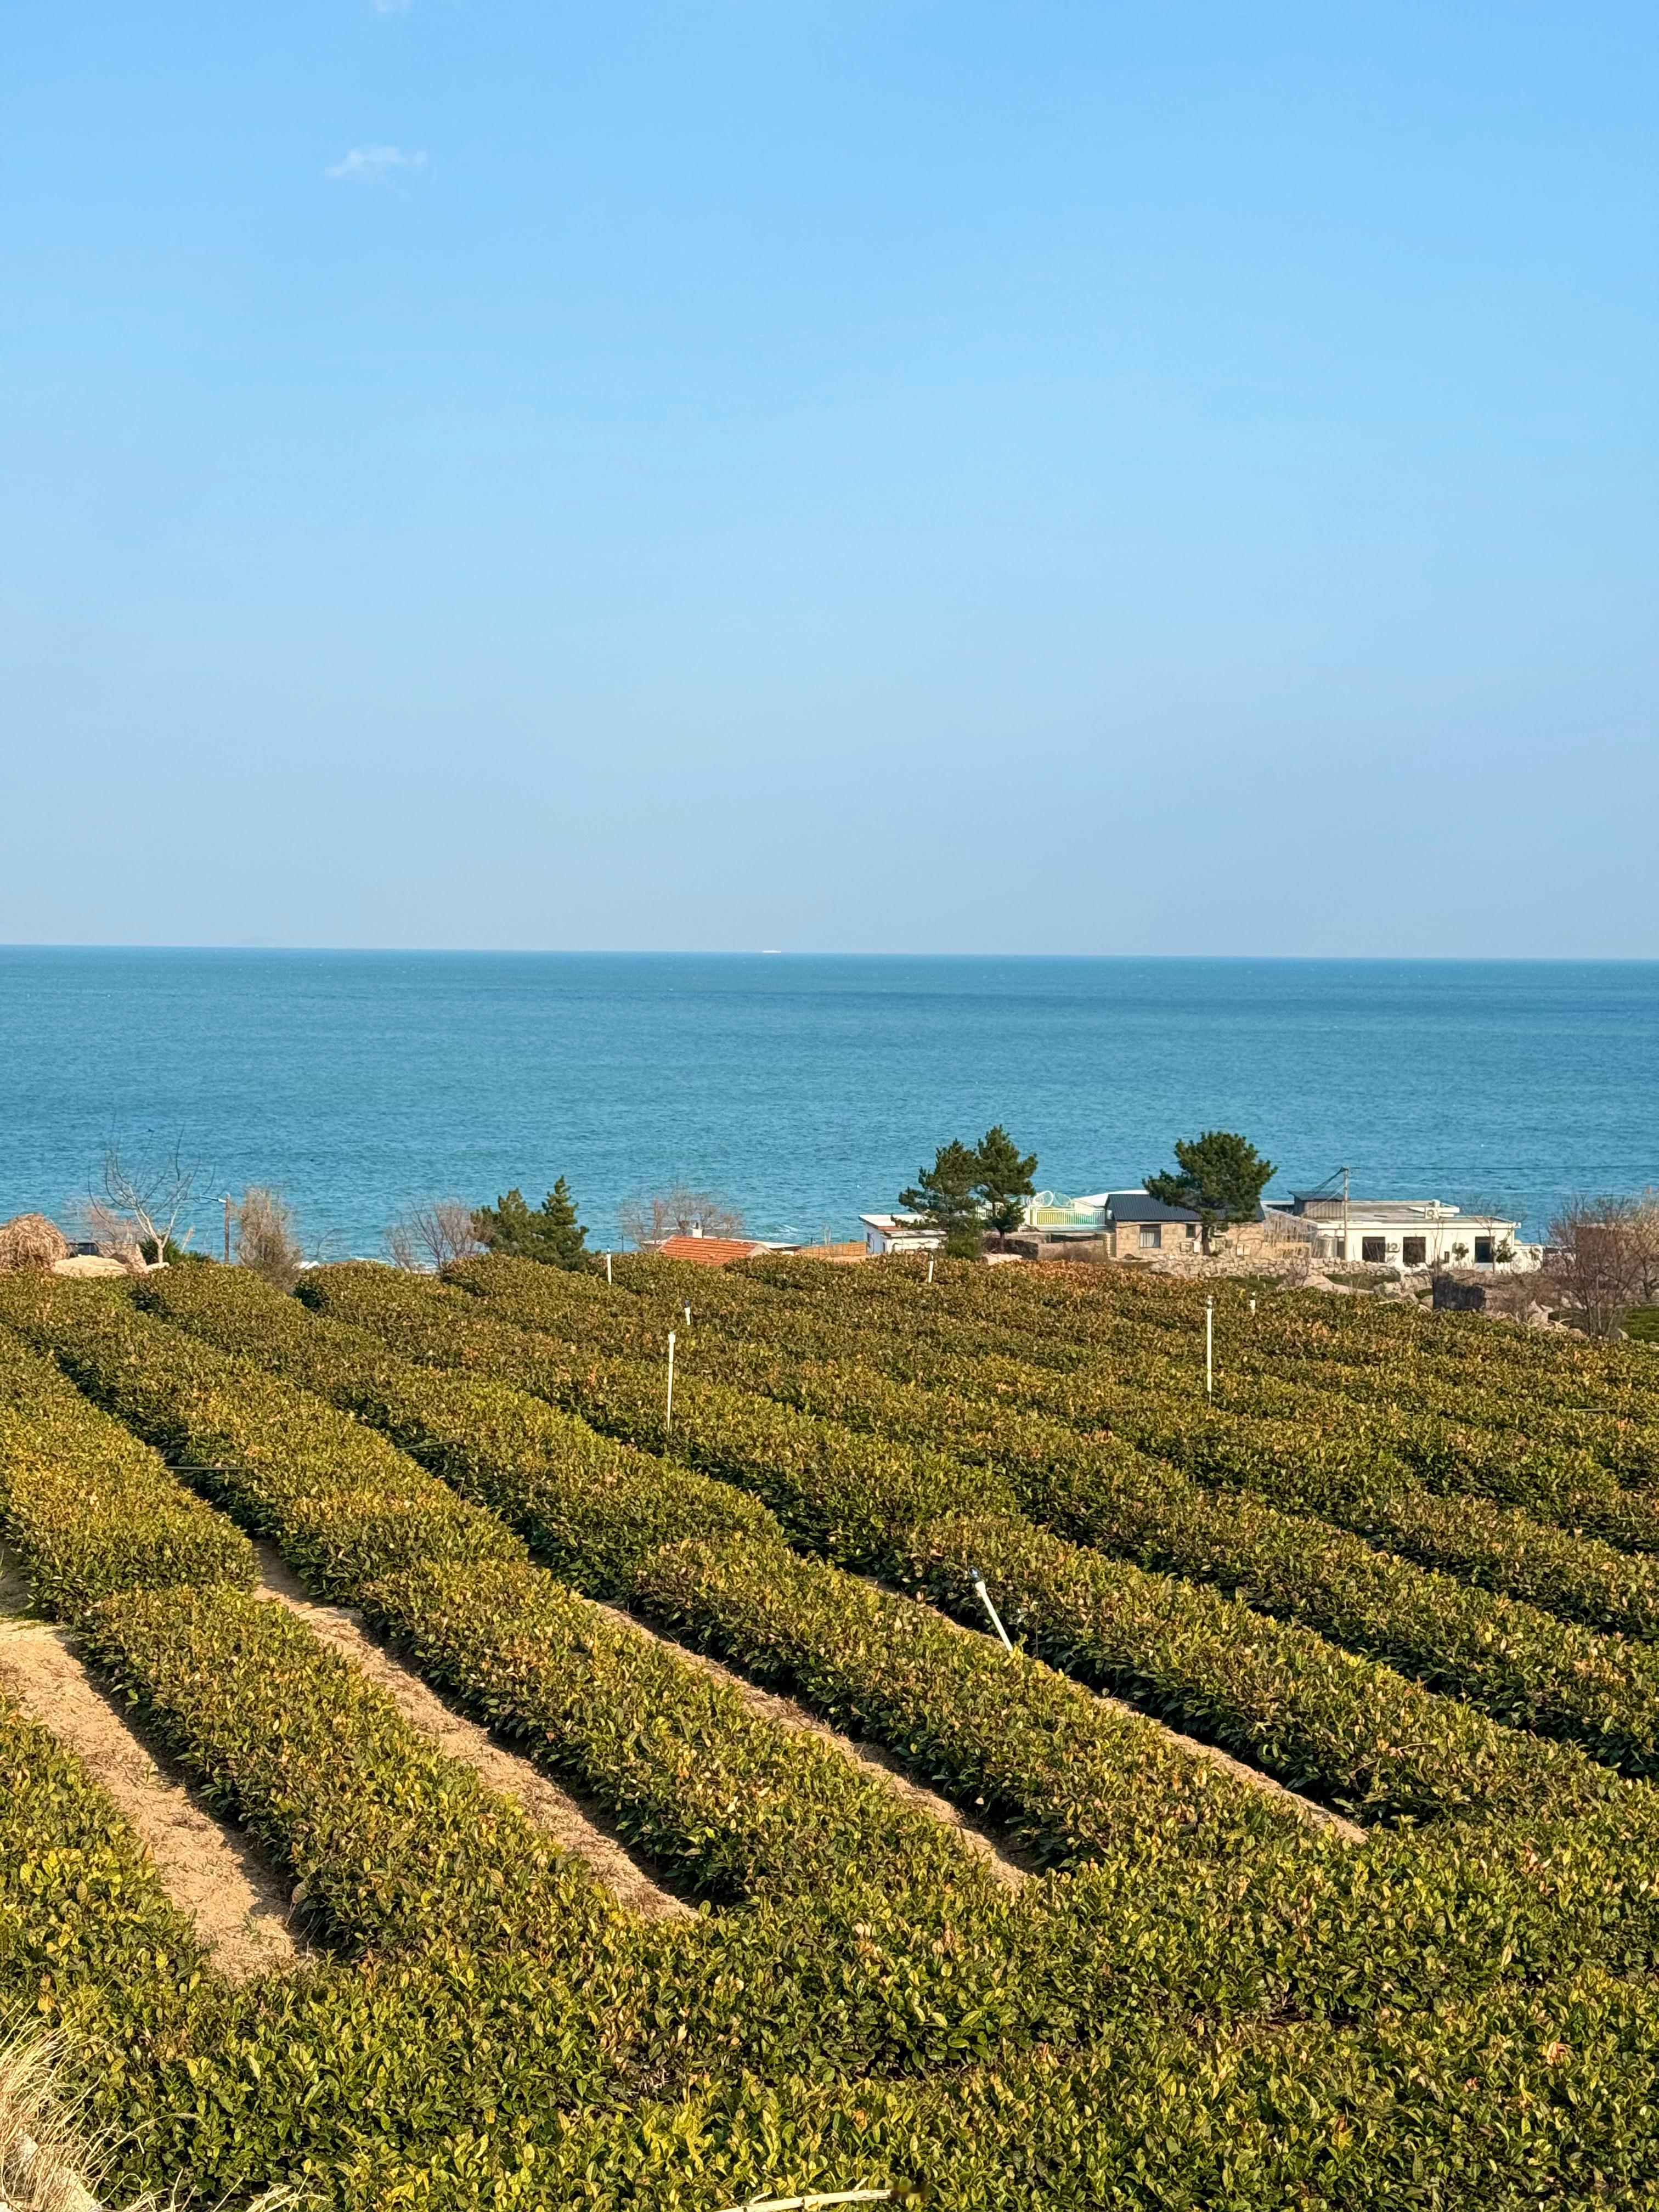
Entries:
{"x":1373,"y":1250}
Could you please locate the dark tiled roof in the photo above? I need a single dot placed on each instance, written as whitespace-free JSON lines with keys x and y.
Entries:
{"x":1135,"y":1206}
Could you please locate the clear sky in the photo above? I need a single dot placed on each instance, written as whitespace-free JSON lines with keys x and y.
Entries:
{"x":831,"y":474}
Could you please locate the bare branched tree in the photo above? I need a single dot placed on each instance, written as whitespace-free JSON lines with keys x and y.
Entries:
{"x":135,"y":1209}
{"x":433,"y":1237}
{"x":679,"y":1210}
{"x":266,"y":1242}
{"x":1604,"y":1257}
{"x":1490,"y":1217}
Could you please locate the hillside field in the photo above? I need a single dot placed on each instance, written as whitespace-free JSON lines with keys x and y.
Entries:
{"x":433,"y":1772}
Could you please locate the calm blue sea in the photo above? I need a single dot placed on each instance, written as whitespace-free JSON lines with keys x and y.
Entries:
{"x":809,"y":1090}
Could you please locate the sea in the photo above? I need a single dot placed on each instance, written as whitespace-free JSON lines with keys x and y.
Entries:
{"x":805,"y":1089}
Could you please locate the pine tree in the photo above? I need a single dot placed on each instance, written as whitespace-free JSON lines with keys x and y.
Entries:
{"x":551,"y":1234}
{"x":1005,"y":1179}
{"x":945,"y":1197}
{"x":1219,"y":1177}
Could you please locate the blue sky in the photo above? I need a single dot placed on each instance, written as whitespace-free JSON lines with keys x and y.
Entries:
{"x":855,"y":475}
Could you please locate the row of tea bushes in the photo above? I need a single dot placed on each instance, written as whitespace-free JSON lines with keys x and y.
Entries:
{"x":1540,"y":2095}
{"x":1356,"y":1482}
{"x":1069,"y":1773}
{"x":1493,"y":1546}
{"x":90,"y":1508}
{"x":1518,"y":1663}
{"x":1151,"y":1942}
{"x":1335,"y":1715}
{"x":640,"y":1719}
{"x":747,"y":1603}
{"x":82,"y":1907}
{"x":390,"y":1845}
{"x":851,"y":1497}
{"x":340,"y":1502}
{"x":1370,"y":1742}
{"x":1466,"y":1434}
{"x":1541,"y":1390}
{"x":593,"y":1507}
{"x":880,"y":1939}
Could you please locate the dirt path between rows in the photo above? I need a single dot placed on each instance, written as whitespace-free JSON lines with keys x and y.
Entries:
{"x":576,"y":1828}
{"x":1008,"y":1864}
{"x":238,"y":1902}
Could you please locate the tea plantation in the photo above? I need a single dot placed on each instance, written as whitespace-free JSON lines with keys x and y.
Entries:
{"x":1301,"y":1852}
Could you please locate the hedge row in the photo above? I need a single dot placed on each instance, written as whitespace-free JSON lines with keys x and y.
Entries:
{"x":392,"y":1844}
{"x":1069,"y":1776}
{"x":593,"y":1507}
{"x":1317,"y":1718}
{"x":1286,"y":1358}
{"x":336,"y":1492}
{"x":853,"y":1498}
{"x":1335,"y":1716}
{"x":1516,"y":1663}
{"x":1538,"y":2095}
{"x":1120,"y":1941}
{"x":1460,"y":1425}
{"x":90,"y":1509}
{"x":616,"y":1522}
{"x":82,"y":1907}
{"x":879,"y":1938}
{"x":1493,"y":1546}
{"x":340,"y":1502}
{"x":1301,"y":1447}
{"x":314,"y":2074}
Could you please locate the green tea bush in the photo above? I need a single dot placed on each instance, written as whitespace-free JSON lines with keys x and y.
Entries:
{"x":1317,"y":1718}
{"x":1333,"y":1721}
{"x":89,"y":1509}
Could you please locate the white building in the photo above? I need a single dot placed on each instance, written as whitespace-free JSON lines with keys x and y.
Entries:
{"x":899,"y":1232}
{"x":1407,"y":1233}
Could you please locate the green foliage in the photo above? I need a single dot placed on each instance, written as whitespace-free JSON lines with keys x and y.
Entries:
{"x":1211,"y":2003}
{"x":1071,"y":1776}
{"x":969,"y":1189}
{"x":945,"y":1195}
{"x":1219,"y":1177}
{"x":1641,"y":1324}
{"x":1005,"y":1179}
{"x":172,"y":1255}
{"x":551,"y":1234}
{"x":88,"y":1509}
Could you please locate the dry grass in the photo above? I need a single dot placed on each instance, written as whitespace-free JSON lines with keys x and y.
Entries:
{"x":48,"y":2161}
{"x":44,"y":2160}
{"x":29,"y":1240}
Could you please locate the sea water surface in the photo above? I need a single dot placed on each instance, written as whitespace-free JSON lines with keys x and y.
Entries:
{"x":808,"y":1090}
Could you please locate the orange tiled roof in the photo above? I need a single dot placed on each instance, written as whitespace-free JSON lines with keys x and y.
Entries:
{"x":708,"y":1251}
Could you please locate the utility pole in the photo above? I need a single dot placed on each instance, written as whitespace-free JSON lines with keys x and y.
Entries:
{"x":607,"y":1267}
{"x":1347,"y":1254}
{"x":668,"y":1418}
{"x":1209,"y":1347}
{"x":227,"y":1229}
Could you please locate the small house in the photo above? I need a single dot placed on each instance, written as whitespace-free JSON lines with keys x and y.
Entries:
{"x":1407,"y":1233}
{"x":899,"y":1232}
{"x":1136,"y":1224}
